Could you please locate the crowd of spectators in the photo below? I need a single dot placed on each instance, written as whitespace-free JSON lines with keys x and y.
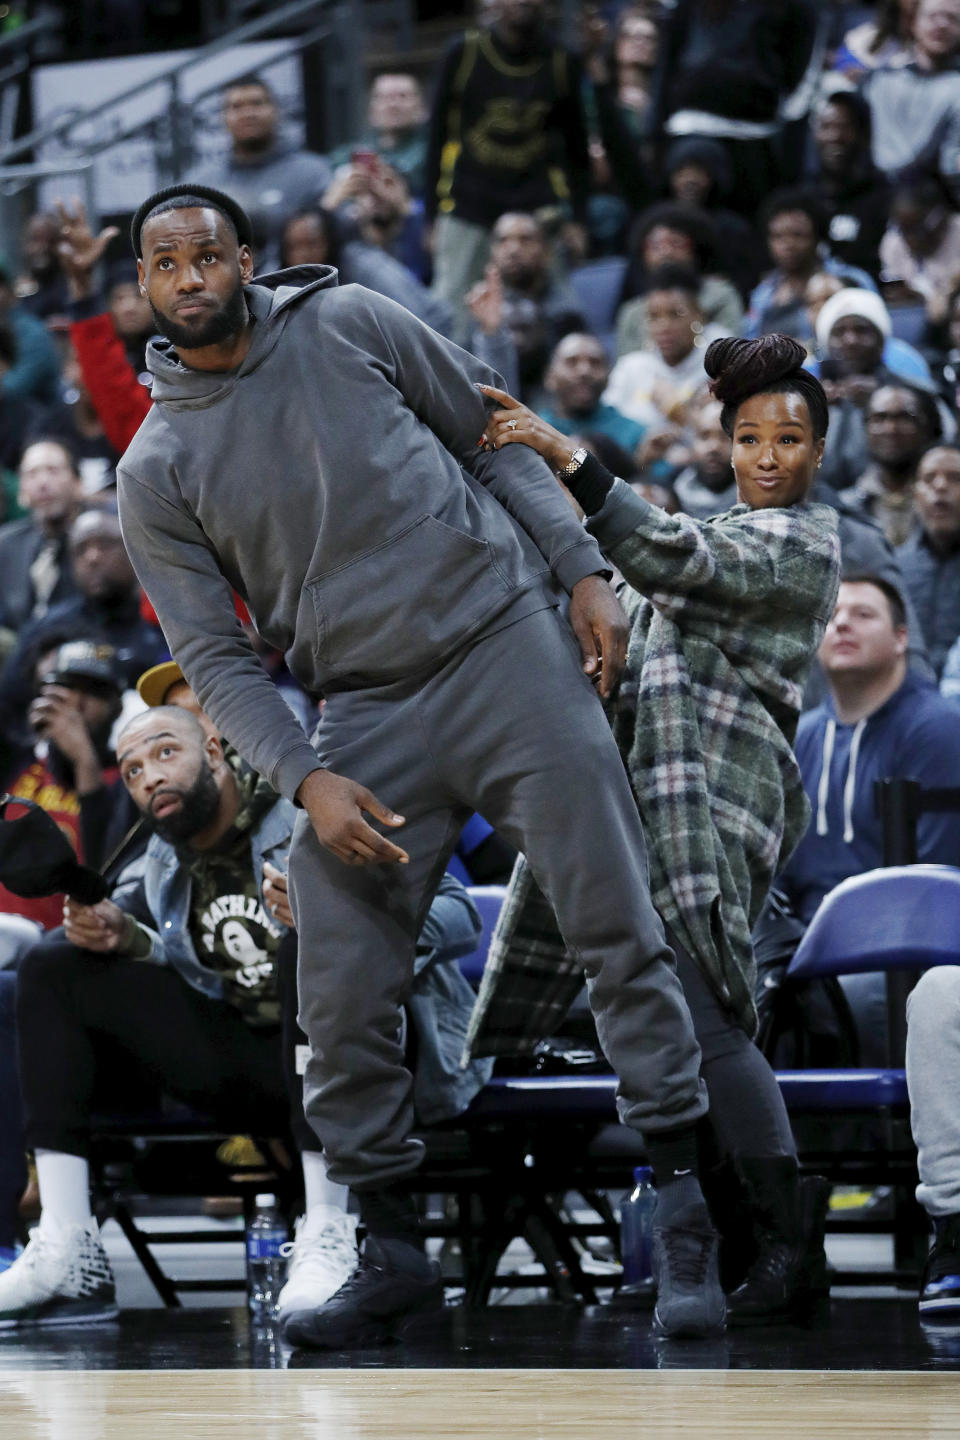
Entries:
{"x":586,"y":222}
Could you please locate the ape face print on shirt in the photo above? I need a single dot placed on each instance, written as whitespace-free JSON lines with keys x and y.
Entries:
{"x":235,"y":936}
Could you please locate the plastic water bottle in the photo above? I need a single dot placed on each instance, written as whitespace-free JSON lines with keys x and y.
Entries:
{"x":266,"y":1234}
{"x":636,"y":1241}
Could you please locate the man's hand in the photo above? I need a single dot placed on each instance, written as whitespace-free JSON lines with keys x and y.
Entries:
{"x":276,"y":896}
{"x":389,"y":189}
{"x":99,"y":927}
{"x":600,"y":624}
{"x":656,"y":444}
{"x":858,"y":389}
{"x":348,"y":184}
{"x":79,"y":249}
{"x":54,"y":717}
{"x":336,"y":807}
{"x":485,"y":301}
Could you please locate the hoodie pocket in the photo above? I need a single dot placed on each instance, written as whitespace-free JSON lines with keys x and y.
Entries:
{"x":401,"y":607}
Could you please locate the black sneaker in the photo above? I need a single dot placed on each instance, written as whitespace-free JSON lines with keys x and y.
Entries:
{"x":940,"y":1286}
{"x":690,"y":1301}
{"x":393,"y":1283}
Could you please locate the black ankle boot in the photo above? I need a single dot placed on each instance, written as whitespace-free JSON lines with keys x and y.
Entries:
{"x":726,"y":1200}
{"x":789,"y":1272}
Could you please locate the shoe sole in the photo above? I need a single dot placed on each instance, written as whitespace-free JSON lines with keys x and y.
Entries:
{"x":947,"y":1306}
{"x":60,"y":1319}
{"x":803,"y":1308}
{"x":373,"y":1332}
{"x":688,"y":1331}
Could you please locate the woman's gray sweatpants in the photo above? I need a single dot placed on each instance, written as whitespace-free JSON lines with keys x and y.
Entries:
{"x":933,"y":1080}
{"x":510,"y":728}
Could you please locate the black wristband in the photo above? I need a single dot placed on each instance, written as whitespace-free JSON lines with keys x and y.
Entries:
{"x":590,"y":485}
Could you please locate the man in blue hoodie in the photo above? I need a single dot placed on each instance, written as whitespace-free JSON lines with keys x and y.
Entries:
{"x":316,"y":449}
{"x":879,"y":721}
{"x":882,"y":720}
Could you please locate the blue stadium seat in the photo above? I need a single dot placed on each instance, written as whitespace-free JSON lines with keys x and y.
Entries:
{"x":903,"y":917}
{"x":593,"y":1097}
{"x":598,"y":285}
{"x":489,"y":901}
{"x":909,"y":323}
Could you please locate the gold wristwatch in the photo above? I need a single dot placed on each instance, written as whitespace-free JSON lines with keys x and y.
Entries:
{"x":573,"y":464}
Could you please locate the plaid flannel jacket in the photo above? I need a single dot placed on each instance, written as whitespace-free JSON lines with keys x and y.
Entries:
{"x":726,"y":617}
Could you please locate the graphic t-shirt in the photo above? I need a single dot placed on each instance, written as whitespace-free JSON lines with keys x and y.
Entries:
{"x":231,"y":931}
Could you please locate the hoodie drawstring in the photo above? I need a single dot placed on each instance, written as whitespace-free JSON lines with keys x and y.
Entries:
{"x":850,"y":786}
{"x":848,"y":789}
{"x":823,"y":789}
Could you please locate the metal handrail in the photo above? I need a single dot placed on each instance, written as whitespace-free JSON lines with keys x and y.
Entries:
{"x":92,"y":148}
{"x":252,"y":30}
{"x":14,"y":40}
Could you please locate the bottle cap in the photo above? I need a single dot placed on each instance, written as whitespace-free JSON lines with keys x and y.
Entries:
{"x":643,"y":1175}
{"x":262,"y":1201}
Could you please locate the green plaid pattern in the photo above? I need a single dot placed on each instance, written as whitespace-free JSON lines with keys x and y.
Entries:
{"x":705,"y":718}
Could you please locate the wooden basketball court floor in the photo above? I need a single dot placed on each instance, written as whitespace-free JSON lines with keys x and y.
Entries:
{"x":866,"y":1369}
{"x":508,"y":1404}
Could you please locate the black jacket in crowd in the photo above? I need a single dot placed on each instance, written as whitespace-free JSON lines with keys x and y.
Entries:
{"x":507,"y":132}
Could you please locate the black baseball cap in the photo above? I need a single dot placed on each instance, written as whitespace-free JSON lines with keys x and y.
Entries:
{"x":84,"y":661}
{"x":36,"y":858}
{"x":216,"y":199}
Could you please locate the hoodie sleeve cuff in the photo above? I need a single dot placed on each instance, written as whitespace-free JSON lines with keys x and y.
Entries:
{"x":622,"y":513}
{"x":290,"y":772}
{"x":578,"y":562}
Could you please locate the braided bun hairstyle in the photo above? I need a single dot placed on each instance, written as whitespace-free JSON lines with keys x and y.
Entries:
{"x":772,"y":365}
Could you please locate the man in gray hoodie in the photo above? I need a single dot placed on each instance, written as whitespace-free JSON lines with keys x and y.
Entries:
{"x":316,"y":449}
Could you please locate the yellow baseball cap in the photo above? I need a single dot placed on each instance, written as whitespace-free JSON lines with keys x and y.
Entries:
{"x":153,"y":685}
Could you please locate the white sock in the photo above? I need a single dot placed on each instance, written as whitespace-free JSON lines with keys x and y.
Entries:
{"x":64,"y":1182}
{"x":319,"y":1191}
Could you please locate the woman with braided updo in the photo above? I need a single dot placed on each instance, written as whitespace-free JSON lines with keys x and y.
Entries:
{"x":726,"y":617}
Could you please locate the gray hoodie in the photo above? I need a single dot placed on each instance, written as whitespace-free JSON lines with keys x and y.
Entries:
{"x":334,"y":481}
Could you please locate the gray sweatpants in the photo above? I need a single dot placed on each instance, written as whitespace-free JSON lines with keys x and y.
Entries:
{"x":933,"y":1080}
{"x":510,"y":728}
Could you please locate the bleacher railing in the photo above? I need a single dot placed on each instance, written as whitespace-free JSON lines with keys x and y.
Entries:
{"x":337,"y":21}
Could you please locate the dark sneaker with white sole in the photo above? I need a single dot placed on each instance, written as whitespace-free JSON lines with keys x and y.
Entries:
{"x":690,"y":1301}
{"x":940,"y":1286}
{"x":63,"y":1277}
{"x":393,"y":1285}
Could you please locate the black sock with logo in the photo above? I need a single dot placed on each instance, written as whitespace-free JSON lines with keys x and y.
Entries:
{"x":673,"y":1156}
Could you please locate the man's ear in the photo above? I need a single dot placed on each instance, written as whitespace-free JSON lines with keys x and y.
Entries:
{"x":246,"y":264}
{"x":901,"y":639}
{"x":141,"y":273}
{"x":818,"y":450}
{"x":213,"y":751}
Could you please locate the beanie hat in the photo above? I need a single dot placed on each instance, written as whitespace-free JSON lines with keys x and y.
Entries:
{"x":862,"y":303}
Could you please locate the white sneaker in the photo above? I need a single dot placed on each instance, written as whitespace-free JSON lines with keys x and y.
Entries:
{"x":63,"y":1277}
{"x":323,"y":1256}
